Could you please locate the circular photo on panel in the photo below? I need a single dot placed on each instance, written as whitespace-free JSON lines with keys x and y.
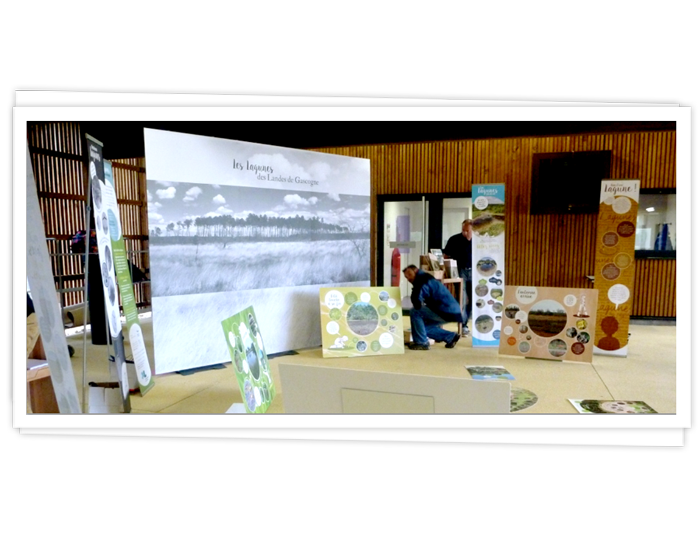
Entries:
{"x":511,"y":311}
{"x":362,"y":318}
{"x":384,"y":295}
{"x":486,"y":266}
{"x":97,"y":194}
{"x":481,"y":290}
{"x":557,"y":348}
{"x":484,"y":324}
{"x":547,"y":318}
{"x":249,"y":395}
{"x":253,"y":362}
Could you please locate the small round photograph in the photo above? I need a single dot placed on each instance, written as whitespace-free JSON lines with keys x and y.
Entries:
{"x":105,"y":274}
{"x":557,"y":348}
{"x":384,"y":296}
{"x":105,"y":224}
{"x":511,"y":311}
{"x":523,"y":329}
{"x":480,"y":303}
{"x":96,"y":194}
{"x":497,"y":307}
{"x":484,"y":324}
{"x":108,"y":258}
{"x":486,"y":266}
{"x":237,"y":361}
{"x":524,"y":347}
{"x":481,"y":290}
{"x":361,"y":346}
{"x":249,"y":395}
{"x":253,"y":362}
{"x":497,"y":293}
{"x":584,"y":337}
{"x":253,"y":325}
{"x":571,"y":332}
{"x":111,"y":290}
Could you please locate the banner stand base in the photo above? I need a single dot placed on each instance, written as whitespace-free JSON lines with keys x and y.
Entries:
{"x":191,"y":371}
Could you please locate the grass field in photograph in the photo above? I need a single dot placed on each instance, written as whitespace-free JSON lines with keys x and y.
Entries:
{"x":182,"y":269}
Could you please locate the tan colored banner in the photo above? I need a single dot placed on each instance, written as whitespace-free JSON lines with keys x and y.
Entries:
{"x":614,"y":265}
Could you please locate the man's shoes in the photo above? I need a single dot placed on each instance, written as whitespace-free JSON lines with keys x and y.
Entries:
{"x":418,"y":347}
{"x":465,"y":331}
{"x":453,"y":342}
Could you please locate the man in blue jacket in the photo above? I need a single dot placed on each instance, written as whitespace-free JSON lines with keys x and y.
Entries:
{"x":433,"y":306}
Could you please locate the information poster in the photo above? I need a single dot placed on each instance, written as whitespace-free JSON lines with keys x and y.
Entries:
{"x":107,"y":225}
{"x":126,"y":287}
{"x":614,"y":264}
{"x":236,"y":224}
{"x":549,"y":323}
{"x":488,"y":262}
{"x":358,"y":322}
{"x":46,"y":306}
{"x":245,"y":345}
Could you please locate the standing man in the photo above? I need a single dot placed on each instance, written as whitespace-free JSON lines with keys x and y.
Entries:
{"x":459,"y":248}
{"x":433,"y":306}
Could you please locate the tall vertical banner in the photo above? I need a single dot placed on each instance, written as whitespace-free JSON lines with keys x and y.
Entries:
{"x":106,"y":214}
{"x":234,"y":225}
{"x":614,"y":264}
{"x":48,"y":313}
{"x":126,"y":285}
{"x":488,"y":262}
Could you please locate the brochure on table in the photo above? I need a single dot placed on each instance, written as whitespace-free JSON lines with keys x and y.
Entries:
{"x":549,"y":323}
{"x":608,"y":406}
{"x":614,"y":264}
{"x":488,"y":262}
{"x":361,"y":321}
{"x":247,"y":351}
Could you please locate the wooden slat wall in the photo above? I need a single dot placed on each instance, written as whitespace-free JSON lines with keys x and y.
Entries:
{"x":544,"y":250}
{"x":130,"y":183}
{"x":56,"y":151}
{"x":56,"y":154}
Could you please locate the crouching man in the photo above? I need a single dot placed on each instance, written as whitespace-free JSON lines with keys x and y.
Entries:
{"x":433,"y":306}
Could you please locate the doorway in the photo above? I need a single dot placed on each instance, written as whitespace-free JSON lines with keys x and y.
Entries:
{"x":411,"y":225}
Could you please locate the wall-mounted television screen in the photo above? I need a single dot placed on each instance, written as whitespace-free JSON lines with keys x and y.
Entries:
{"x":568,"y":182}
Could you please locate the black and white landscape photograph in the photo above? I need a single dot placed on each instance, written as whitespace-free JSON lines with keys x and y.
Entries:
{"x":209,"y":238}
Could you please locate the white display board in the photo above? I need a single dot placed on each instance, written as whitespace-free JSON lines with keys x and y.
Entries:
{"x":236,"y":224}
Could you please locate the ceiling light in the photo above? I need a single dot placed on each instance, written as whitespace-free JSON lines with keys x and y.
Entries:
{"x":650,"y":209}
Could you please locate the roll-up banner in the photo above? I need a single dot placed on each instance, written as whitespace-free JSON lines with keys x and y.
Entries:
{"x":105,"y":211}
{"x":46,"y":306}
{"x":126,"y":288}
{"x":488,"y":262}
{"x":614,"y":264}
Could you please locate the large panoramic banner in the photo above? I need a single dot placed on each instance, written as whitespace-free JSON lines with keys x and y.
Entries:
{"x":234,"y":225}
{"x":614,"y":264}
{"x":488,"y":262}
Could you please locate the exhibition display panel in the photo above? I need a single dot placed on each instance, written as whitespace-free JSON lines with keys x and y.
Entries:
{"x":236,"y":224}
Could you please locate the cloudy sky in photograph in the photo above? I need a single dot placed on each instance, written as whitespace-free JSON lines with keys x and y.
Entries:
{"x":176,"y":201}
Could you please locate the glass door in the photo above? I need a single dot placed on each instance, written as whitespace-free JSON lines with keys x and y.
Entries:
{"x":403,"y":241}
{"x":411,"y":225}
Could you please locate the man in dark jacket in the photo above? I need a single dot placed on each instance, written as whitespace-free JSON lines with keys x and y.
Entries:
{"x":433,"y":306}
{"x":459,"y":248}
